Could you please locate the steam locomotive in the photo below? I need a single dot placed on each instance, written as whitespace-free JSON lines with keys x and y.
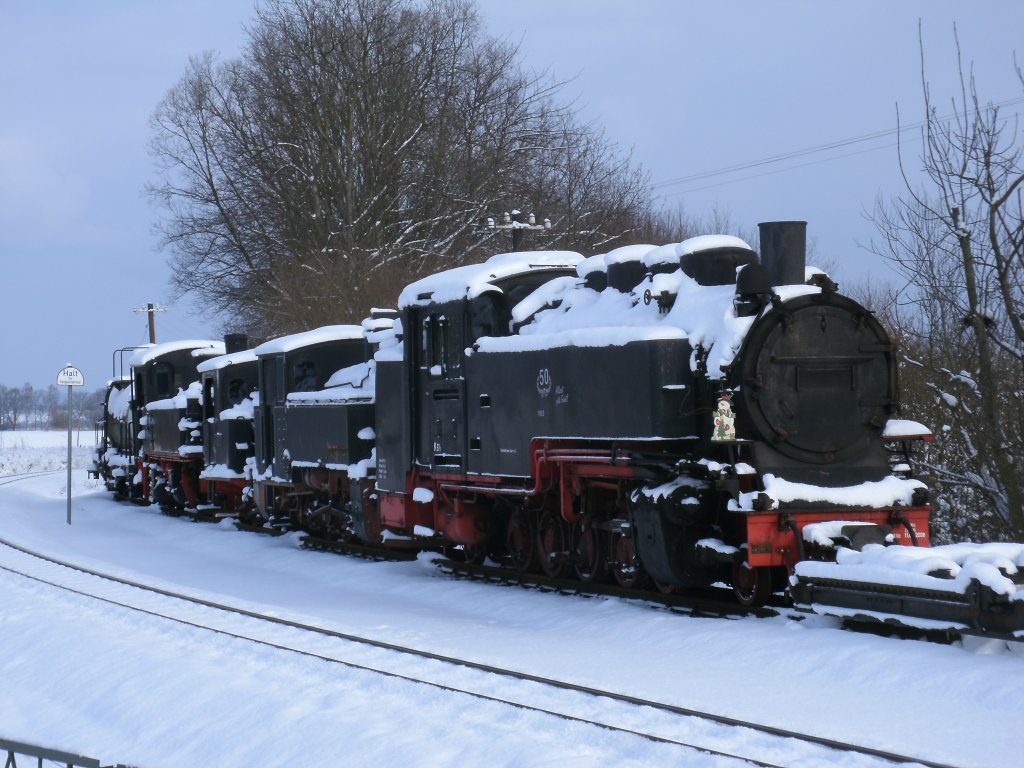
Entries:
{"x":677,"y":415}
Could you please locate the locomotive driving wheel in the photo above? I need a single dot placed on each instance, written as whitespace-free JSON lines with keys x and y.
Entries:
{"x":521,"y":540}
{"x":751,"y":585}
{"x":589,"y":558}
{"x":552,"y":545}
{"x":665,"y":588}
{"x":474,"y":554}
{"x":625,"y":562}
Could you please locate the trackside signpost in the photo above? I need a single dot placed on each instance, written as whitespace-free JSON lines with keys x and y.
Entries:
{"x":70,"y":377}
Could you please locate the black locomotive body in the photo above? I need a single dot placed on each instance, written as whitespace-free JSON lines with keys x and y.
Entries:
{"x":516,"y":397}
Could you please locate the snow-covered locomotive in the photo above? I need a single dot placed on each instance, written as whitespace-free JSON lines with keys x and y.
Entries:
{"x":150,"y":448}
{"x":682,"y":414}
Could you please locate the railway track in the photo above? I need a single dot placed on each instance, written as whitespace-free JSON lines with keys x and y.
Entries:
{"x":19,"y":476}
{"x":662,"y":721}
{"x":716,"y":602}
{"x":709,"y":602}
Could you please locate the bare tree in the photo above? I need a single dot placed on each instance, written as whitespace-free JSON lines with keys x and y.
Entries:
{"x":46,"y":401}
{"x":356,"y":144}
{"x":15,"y":403}
{"x":959,"y":241}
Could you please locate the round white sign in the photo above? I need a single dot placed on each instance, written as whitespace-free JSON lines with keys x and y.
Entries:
{"x":70,"y":377}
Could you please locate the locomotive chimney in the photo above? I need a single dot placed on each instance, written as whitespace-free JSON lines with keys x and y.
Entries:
{"x":235,"y":342}
{"x":784,"y":250}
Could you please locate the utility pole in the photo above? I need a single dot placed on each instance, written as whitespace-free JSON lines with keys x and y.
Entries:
{"x":517,"y":223}
{"x":151,"y":309}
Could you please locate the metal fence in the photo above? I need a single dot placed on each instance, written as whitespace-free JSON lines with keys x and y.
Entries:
{"x":32,"y":755}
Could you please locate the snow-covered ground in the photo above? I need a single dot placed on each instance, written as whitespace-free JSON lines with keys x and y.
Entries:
{"x":34,"y":450}
{"x":85,"y":676}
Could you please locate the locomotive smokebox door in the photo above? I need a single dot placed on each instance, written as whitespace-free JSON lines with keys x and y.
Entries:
{"x":818,"y":383}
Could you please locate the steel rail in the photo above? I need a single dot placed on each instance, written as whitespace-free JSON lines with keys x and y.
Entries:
{"x":17,"y":476}
{"x":478,"y":666}
{"x":702,"y":602}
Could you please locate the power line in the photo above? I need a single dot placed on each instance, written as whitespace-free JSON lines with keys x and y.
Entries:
{"x":778,"y":170}
{"x":809,"y":151}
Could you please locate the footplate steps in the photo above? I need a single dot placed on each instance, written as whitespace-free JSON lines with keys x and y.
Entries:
{"x":977,"y":609}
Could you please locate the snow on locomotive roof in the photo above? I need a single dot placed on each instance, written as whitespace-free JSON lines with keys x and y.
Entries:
{"x":565,"y":312}
{"x":308,"y":338}
{"x":473,"y":279}
{"x":199,"y":347}
{"x":591,"y":264}
{"x":711,"y":242}
{"x":704,"y":314}
{"x":223,"y":361}
{"x":628,"y":253}
{"x":670,"y":254}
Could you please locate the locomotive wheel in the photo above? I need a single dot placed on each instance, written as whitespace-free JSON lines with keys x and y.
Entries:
{"x":589,"y":557}
{"x":666,"y":589}
{"x":552,"y":545}
{"x":474,"y":554}
{"x":752,"y":586}
{"x":521,"y":541}
{"x":626,"y":567}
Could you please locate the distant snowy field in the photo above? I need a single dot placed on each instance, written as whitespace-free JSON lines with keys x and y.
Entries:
{"x":85,"y":676}
{"x":32,"y":450}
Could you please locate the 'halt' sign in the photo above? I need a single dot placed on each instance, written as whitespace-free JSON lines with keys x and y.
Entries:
{"x":70,"y":377}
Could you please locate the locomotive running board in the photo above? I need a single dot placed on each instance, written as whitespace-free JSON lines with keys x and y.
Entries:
{"x":978,"y":609}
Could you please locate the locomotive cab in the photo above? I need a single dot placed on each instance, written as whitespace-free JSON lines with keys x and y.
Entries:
{"x":229,"y":384}
{"x":300,"y":363}
{"x":166,"y":400}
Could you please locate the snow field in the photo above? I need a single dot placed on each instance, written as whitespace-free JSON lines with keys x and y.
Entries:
{"x":80,"y":675}
{"x":39,"y":450}
{"x":536,"y":695}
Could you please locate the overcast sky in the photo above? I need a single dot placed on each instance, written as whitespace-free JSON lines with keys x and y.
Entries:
{"x":688,"y":87}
